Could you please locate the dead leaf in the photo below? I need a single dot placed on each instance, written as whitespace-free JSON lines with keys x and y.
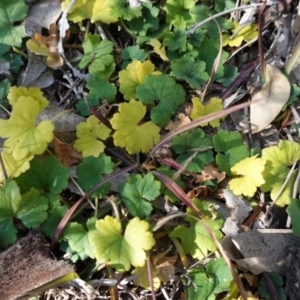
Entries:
{"x":262,"y":250}
{"x":240,"y":210}
{"x":210,"y":172}
{"x":36,"y":73}
{"x":200,"y":192}
{"x":270,"y":99}
{"x":183,"y":120}
{"x":41,"y":15}
{"x":66,"y":154}
{"x":165,"y":265}
{"x":47,"y":46}
{"x":65,"y":125}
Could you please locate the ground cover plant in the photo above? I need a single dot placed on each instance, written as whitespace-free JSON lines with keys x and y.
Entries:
{"x":155,"y":144}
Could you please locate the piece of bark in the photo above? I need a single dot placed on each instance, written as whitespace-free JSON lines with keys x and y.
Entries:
{"x":28,"y":265}
{"x":293,"y":274}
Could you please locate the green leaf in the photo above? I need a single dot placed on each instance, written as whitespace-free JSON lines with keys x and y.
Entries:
{"x":55,"y":214}
{"x":222,"y":5}
{"x":207,"y":284}
{"x":294,"y":212}
{"x":11,"y":34}
{"x":4,"y":87}
{"x":279,"y":159}
{"x":121,"y":249}
{"x":175,"y":40}
{"x":231,"y":149}
{"x":15,"y":61}
{"x":195,"y":238}
{"x":102,"y":88}
{"x":295,"y":91}
{"x":166,"y":91}
{"x":277,"y":280}
{"x":121,"y":9}
{"x":31,"y":209}
{"x":194,"y":147}
{"x":208,"y":52}
{"x":230,"y":74}
{"x":83,"y":106}
{"x":149,"y":21}
{"x":97,"y":54}
{"x":192,"y":71}
{"x":46,"y":175}
{"x":179,"y":12}
{"x":132,"y":53}
{"x":136,"y":193}
{"x":90,"y":173}
{"x":77,"y":237}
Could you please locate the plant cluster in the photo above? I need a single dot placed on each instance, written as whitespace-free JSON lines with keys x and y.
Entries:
{"x":154,"y":77}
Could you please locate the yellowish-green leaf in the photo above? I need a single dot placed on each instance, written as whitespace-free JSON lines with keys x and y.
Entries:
{"x":38,"y":46}
{"x":16,"y":94}
{"x":129,"y":134}
{"x":90,"y":134}
{"x":159,"y":49}
{"x":249,"y":172}
{"x":14,"y":167}
{"x":133,"y":76}
{"x":119,"y":248}
{"x":279,"y":159}
{"x":24,"y":137}
{"x":200,"y":110}
{"x":247,"y":33}
{"x":90,"y":9}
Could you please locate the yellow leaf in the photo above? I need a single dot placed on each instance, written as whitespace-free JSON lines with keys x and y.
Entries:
{"x":37,"y":48}
{"x":159,"y":49}
{"x":17,"y":94}
{"x":24,"y":138}
{"x":94,"y":10}
{"x":129,"y":134}
{"x":12,"y":166}
{"x":133,"y":76}
{"x":249,"y":172}
{"x":200,"y":110}
{"x":247,"y":33}
{"x":89,"y":134}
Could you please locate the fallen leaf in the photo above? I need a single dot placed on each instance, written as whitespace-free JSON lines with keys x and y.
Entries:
{"x":47,"y":46}
{"x":66,"y":154}
{"x":210,"y":172}
{"x":183,"y":120}
{"x":272,"y":97}
{"x":199,"y":192}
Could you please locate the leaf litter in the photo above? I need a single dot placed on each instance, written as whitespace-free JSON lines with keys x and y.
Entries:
{"x":105,"y":99}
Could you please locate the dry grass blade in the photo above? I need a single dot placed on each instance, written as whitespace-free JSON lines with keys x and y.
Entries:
{"x":197,"y":123}
{"x":70,"y":212}
{"x":175,"y":189}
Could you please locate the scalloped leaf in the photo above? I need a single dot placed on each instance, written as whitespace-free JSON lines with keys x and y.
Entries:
{"x":90,"y":134}
{"x":164,"y":90}
{"x":129,"y":134}
{"x":133,"y":76}
{"x":249,"y":172}
{"x":121,"y":249}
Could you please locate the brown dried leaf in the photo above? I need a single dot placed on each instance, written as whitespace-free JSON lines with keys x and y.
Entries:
{"x":66,"y":154}
{"x":210,"y":172}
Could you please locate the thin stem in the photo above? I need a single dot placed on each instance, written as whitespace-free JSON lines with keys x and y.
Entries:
{"x":193,"y":29}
